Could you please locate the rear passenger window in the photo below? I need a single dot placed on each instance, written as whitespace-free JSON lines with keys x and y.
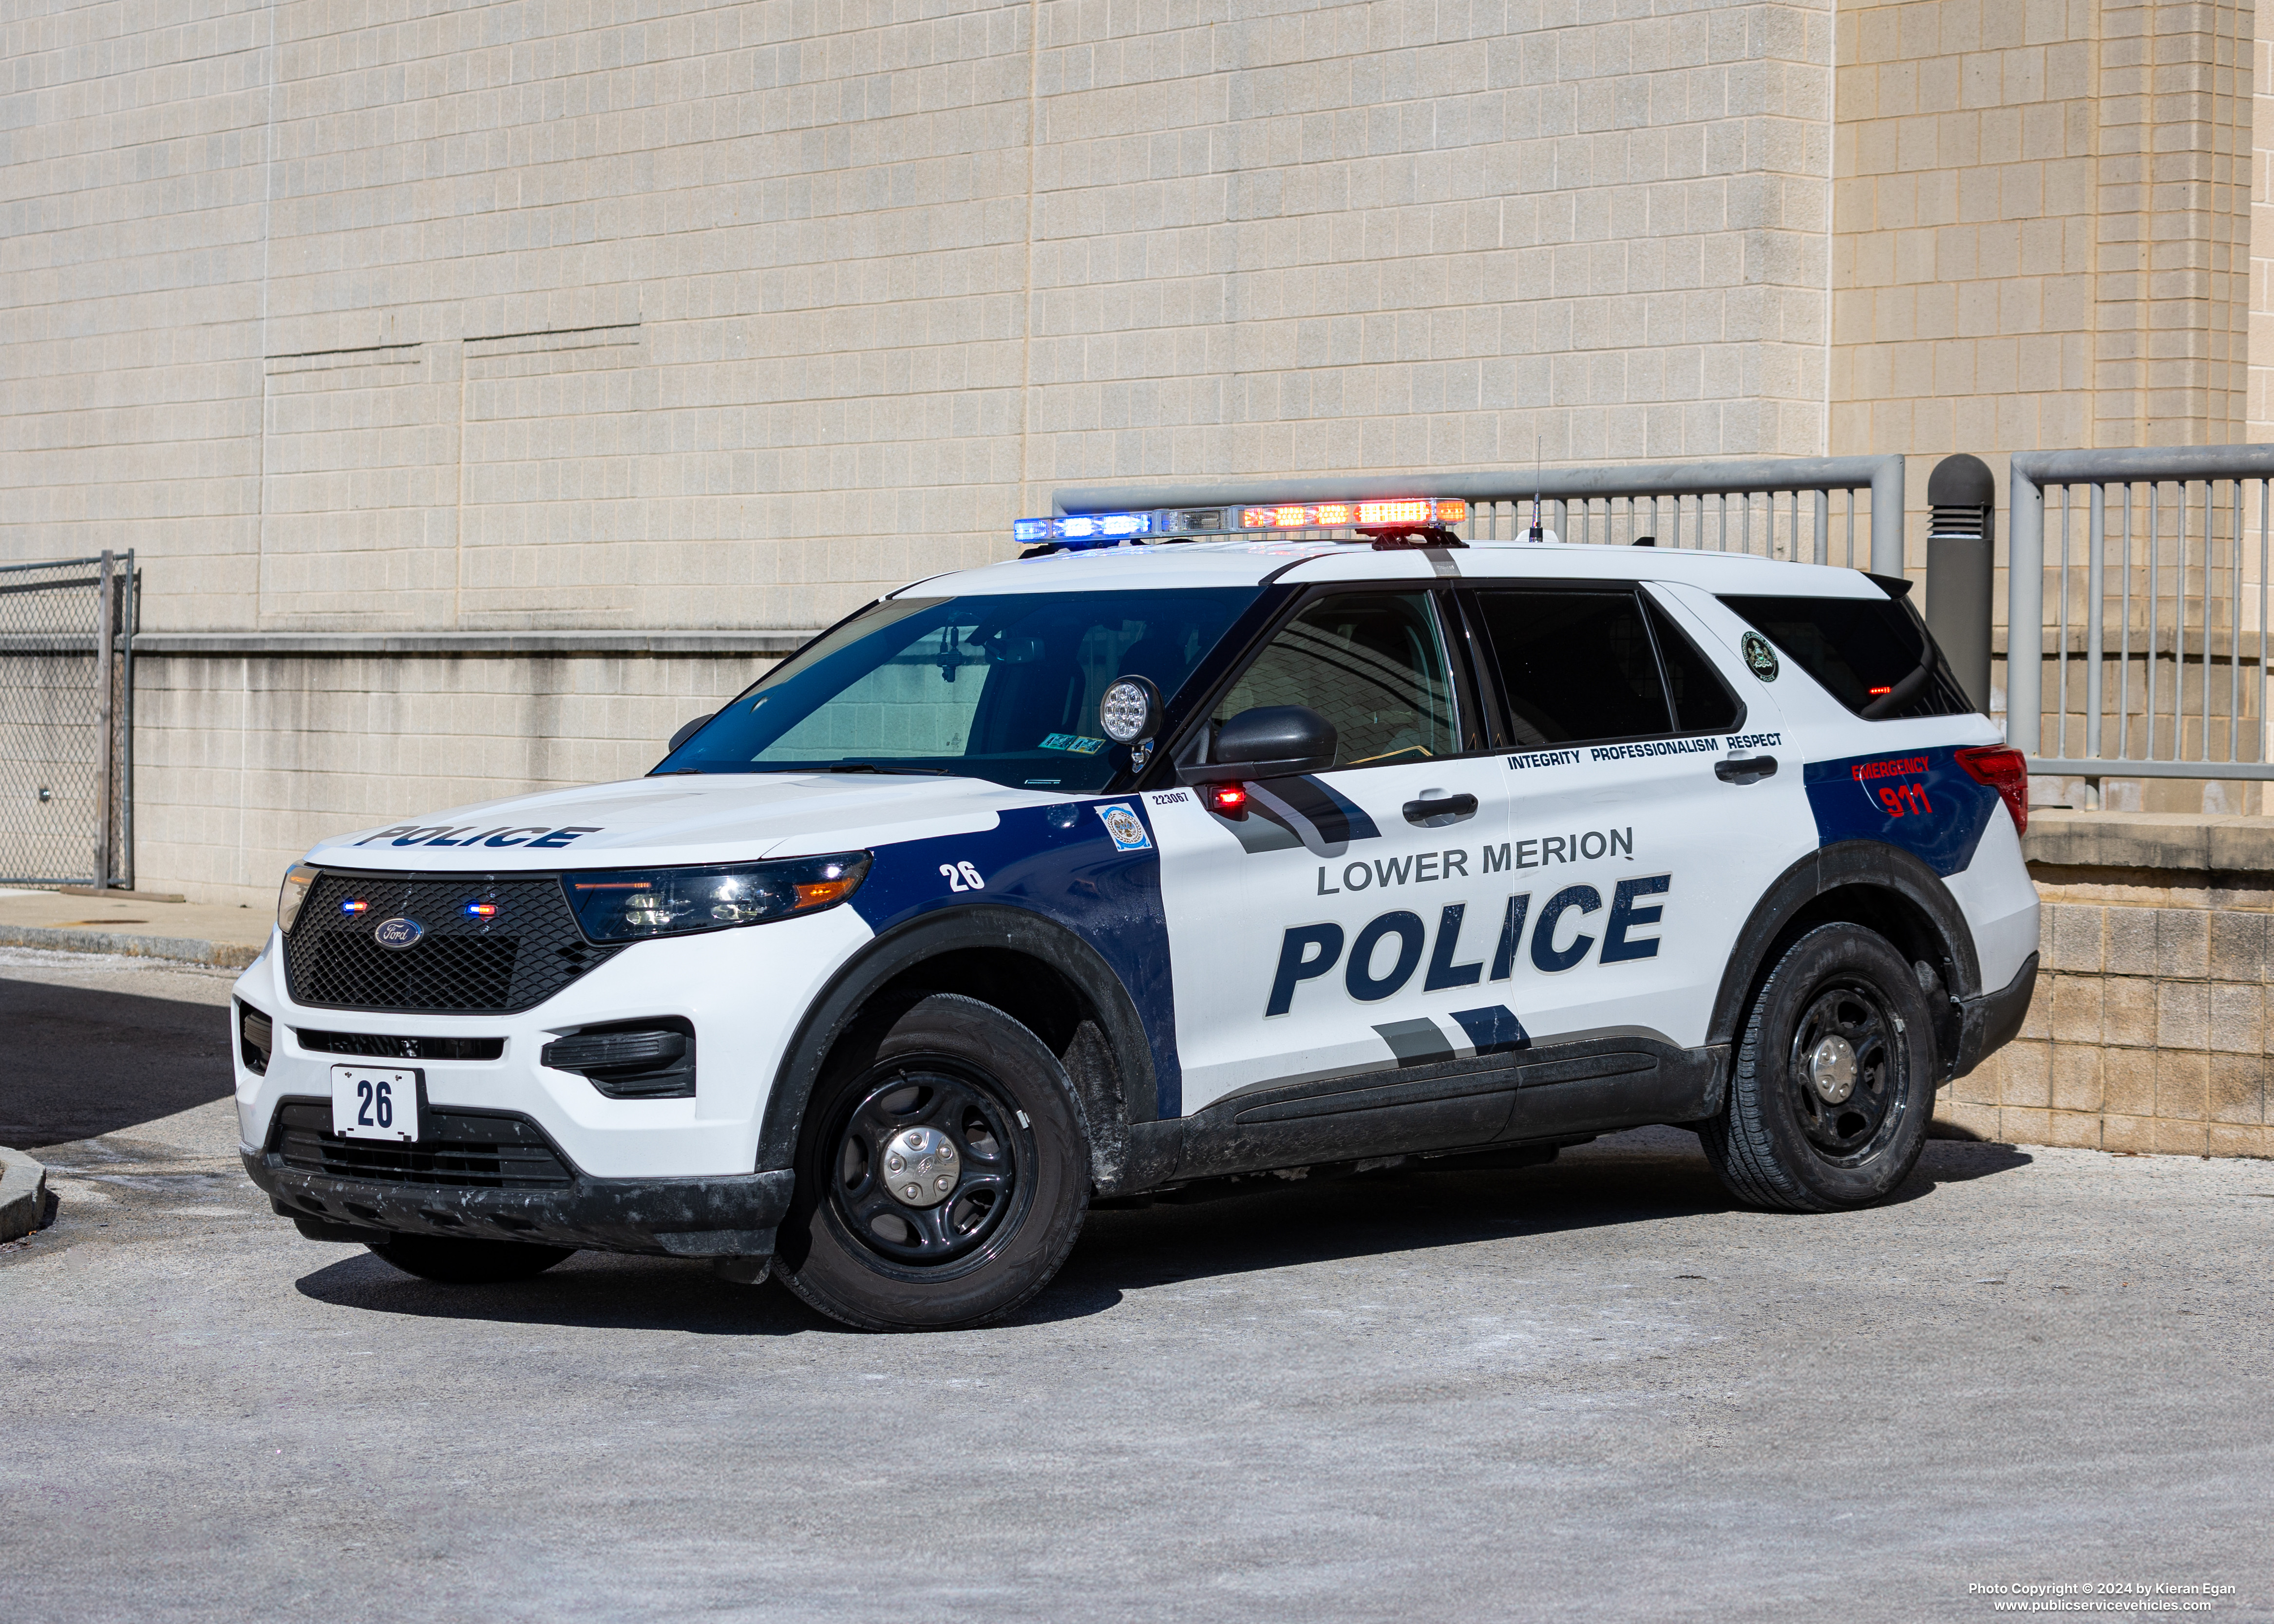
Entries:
{"x":1574,"y":666}
{"x":1871,"y":654}
{"x":1703,"y":703}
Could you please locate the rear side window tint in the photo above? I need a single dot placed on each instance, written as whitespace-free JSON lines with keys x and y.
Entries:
{"x":1703,"y":703}
{"x":1871,"y":654}
{"x":1574,"y":666}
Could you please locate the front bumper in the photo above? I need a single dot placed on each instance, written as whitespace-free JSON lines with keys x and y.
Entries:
{"x":723,"y":1215}
{"x":741,"y":991}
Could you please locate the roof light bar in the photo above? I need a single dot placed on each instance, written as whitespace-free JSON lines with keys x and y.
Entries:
{"x":1079,"y":531}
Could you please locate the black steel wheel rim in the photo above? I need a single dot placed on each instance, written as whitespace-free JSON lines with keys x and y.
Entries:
{"x":991,"y":1172}
{"x":1850,"y":1131}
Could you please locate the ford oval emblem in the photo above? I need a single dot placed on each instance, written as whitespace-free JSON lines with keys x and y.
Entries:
{"x":398,"y":932}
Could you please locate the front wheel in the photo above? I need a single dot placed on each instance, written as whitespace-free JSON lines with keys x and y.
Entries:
{"x":1834,"y":1081}
{"x":942,"y":1175}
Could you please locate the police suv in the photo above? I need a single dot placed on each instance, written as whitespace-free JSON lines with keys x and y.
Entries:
{"x":1144,"y":864}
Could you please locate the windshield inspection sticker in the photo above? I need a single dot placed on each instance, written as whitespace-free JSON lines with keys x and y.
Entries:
{"x":1074,"y":742}
{"x":1128,"y":834}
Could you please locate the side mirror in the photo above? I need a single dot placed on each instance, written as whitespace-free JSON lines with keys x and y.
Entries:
{"x":1268,"y":742}
{"x":690,"y":730}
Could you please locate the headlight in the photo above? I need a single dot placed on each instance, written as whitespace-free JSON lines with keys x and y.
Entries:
{"x":629,"y":905}
{"x":298,"y":878}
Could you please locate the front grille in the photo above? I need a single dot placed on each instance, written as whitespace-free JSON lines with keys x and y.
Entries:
{"x":381,"y":1047}
{"x":528,"y":949}
{"x":457,"y":1150}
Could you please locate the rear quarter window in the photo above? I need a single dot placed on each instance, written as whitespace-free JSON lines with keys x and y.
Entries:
{"x":1874,"y":655}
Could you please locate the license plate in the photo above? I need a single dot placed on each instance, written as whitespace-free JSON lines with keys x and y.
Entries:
{"x":374,"y":1103}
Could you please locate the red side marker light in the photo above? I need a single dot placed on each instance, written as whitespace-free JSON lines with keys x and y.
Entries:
{"x":1229,"y":798}
{"x":2004,"y":769}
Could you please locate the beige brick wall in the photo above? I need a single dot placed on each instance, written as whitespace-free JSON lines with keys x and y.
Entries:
{"x":1966,"y":218}
{"x":2042,"y":223}
{"x":728,"y":314}
{"x":2259,"y":404}
{"x":2149,"y":1029}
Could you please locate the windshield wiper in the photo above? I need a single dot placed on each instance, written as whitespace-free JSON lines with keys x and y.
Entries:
{"x":937,"y":772}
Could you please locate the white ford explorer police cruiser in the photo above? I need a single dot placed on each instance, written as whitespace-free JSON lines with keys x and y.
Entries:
{"x":1137,"y":868}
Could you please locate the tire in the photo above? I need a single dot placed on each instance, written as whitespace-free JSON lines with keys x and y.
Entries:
{"x":1003,"y":1167}
{"x":468,"y":1262}
{"x":1788,"y":1137}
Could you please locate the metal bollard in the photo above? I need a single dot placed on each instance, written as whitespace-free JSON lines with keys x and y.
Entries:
{"x":1960,"y":539}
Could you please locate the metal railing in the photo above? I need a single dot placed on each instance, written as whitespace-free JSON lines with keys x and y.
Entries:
{"x":1854,"y":515}
{"x":66,"y":718}
{"x":2156,"y":634}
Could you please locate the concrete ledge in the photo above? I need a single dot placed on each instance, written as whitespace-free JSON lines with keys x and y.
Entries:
{"x":22,"y":1194}
{"x":2188,"y":842}
{"x":229,"y":955}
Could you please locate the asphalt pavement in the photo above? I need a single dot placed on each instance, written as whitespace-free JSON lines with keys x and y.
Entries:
{"x":1591,"y":1390}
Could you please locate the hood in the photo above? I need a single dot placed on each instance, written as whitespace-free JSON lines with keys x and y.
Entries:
{"x":693,"y":819}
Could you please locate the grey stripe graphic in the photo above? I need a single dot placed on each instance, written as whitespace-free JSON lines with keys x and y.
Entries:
{"x":1416,"y":1043}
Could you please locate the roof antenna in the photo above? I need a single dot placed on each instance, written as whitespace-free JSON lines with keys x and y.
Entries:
{"x":1535,"y":534}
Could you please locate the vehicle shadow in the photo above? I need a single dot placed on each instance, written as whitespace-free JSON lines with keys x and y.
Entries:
{"x":591,"y":1291}
{"x":1641,"y":1177}
{"x":83,"y":1063}
{"x":1646,"y":1175}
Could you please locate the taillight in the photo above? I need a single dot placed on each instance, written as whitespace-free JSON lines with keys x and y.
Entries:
{"x":2004,"y":769}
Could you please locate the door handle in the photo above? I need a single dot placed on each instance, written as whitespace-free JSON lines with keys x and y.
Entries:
{"x":1432,"y":811}
{"x":1745,"y":768}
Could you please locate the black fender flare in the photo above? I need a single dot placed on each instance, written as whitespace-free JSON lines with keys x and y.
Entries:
{"x":1113,"y":1075}
{"x":1870,"y":865}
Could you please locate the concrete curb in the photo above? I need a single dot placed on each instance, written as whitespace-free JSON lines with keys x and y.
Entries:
{"x":22,"y":1194}
{"x":228,"y":955}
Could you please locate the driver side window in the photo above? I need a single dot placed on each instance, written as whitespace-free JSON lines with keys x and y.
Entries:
{"x":1373,"y":664}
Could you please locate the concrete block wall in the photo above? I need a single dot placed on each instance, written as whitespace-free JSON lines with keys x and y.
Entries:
{"x":2152,"y":1029}
{"x":243,"y":764}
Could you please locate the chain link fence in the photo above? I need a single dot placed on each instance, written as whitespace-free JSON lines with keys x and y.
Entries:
{"x":66,"y":699}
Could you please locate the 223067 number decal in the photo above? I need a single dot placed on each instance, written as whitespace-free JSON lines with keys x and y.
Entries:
{"x":962,"y":877}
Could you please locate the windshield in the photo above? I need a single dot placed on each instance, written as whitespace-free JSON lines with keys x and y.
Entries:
{"x":1002,"y":687}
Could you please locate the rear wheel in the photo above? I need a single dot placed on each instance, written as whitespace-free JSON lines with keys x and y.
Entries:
{"x":468,"y":1262}
{"x":1828,"y":1103}
{"x":942,"y":1176}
